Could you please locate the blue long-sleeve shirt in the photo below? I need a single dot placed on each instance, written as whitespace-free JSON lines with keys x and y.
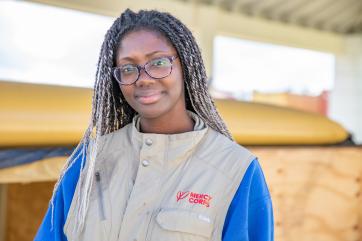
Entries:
{"x":249,"y":217}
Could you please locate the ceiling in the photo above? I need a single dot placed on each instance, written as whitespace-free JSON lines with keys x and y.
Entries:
{"x":340,"y":16}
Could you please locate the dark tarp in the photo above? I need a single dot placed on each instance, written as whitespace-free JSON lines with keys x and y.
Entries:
{"x":19,"y":156}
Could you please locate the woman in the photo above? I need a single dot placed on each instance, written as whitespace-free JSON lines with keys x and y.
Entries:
{"x":157,"y":162}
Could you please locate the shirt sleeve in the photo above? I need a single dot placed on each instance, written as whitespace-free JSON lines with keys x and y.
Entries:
{"x":250,"y":214}
{"x":62,"y":201}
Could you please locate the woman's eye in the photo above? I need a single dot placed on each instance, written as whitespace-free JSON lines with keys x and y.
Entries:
{"x":161,"y":62}
{"x":128,"y":69}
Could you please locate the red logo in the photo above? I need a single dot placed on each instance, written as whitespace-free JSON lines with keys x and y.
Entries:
{"x":194,"y":198}
{"x":181,"y":195}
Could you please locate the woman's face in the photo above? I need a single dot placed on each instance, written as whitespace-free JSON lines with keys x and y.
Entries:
{"x":151,"y":98}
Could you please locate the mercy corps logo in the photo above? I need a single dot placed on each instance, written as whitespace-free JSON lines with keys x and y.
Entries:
{"x":193,"y":197}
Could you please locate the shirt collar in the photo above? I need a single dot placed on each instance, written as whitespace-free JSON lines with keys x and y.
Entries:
{"x":167,"y":147}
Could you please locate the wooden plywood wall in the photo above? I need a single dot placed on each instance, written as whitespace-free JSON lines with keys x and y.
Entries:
{"x":26,"y":206}
{"x":316,"y":194}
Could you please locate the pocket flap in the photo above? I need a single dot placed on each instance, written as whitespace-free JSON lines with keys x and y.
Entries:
{"x":185,"y":221}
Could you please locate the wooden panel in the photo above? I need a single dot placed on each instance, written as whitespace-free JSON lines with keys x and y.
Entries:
{"x":3,"y":213}
{"x":316,"y":192}
{"x":27,"y":204}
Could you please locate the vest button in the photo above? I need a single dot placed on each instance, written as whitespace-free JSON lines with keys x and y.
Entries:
{"x":149,"y":141}
{"x":145,"y":163}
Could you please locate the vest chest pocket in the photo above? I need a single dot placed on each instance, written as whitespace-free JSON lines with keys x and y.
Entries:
{"x":179,"y":224}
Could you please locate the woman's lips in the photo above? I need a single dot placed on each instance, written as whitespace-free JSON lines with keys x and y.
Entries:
{"x":149,"y":98}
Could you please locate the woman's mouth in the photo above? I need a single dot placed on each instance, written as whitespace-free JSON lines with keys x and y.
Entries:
{"x":149,"y":98}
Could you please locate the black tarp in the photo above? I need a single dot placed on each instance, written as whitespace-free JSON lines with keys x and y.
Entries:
{"x":19,"y":156}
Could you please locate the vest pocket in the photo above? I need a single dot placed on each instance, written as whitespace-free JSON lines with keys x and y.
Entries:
{"x":179,"y":224}
{"x":102,"y":214}
{"x":103,"y":225}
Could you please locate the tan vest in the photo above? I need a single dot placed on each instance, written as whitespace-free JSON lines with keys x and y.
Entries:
{"x":157,"y":187}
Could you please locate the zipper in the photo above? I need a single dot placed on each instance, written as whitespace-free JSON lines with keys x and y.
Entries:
{"x":100,"y":196}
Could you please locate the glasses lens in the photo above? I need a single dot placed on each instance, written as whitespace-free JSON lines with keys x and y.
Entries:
{"x":126,"y":74}
{"x":159,"y":68}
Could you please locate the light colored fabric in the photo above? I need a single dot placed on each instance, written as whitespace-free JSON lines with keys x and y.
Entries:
{"x":157,"y":187}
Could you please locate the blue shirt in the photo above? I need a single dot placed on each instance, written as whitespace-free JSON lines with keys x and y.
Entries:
{"x":249,"y":217}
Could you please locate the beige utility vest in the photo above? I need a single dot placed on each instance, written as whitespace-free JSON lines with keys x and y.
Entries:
{"x":158,"y":187}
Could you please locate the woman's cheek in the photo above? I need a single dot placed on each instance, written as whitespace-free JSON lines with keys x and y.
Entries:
{"x":127,"y":92}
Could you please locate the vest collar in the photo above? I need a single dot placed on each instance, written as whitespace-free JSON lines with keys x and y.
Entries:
{"x":173,"y":146}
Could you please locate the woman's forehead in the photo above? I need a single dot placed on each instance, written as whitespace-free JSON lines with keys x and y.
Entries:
{"x":143,"y":42}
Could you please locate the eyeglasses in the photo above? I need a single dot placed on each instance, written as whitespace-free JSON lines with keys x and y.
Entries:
{"x":156,"y":68}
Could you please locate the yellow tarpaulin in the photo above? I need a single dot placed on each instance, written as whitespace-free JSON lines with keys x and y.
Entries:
{"x":44,"y":115}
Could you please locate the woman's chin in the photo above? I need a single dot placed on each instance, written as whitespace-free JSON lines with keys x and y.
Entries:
{"x":151,"y":112}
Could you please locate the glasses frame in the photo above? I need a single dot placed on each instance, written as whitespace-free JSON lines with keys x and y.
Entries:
{"x":139,"y":68}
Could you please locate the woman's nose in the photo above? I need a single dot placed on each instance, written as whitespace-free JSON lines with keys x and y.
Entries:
{"x":144,"y":79}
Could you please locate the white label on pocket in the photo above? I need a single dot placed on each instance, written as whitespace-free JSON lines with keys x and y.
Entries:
{"x":204,"y":218}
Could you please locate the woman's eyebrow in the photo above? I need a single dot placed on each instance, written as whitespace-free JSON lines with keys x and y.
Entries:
{"x":147,"y":55}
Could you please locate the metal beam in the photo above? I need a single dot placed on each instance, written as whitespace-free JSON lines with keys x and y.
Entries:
{"x":217,"y":3}
{"x":328,"y":14}
{"x":247,"y":6}
{"x":228,"y":5}
{"x":357,"y":27}
{"x":266,"y":7}
{"x":349,"y":11}
{"x":348,"y":25}
{"x":285,"y":9}
{"x":301,"y":15}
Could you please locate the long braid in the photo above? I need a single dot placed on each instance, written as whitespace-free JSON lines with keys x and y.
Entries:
{"x":195,"y":77}
{"x":110,"y":111}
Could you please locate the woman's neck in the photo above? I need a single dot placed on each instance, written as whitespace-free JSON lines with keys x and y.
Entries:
{"x":167,"y":124}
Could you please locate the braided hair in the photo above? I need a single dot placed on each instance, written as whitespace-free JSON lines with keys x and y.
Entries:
{"x":110,"y":111}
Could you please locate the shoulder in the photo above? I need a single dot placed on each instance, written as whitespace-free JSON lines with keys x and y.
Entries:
{"x":216,"y":142}
{"x":115,"y":140}
{"x":71,"y":175}
{"x":224,"y":154}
